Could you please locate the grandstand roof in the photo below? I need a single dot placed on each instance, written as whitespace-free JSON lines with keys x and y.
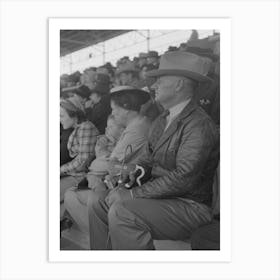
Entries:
{"x":74,"y":40}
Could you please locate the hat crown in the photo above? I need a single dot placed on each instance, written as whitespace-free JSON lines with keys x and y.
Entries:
{"x":184,"y":61}
{"x":127,"y":67}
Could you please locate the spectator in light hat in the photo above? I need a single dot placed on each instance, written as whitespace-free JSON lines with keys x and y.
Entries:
{"x":152,"y":58}
{"x":142,"y":60}
{"x":128,"y":74}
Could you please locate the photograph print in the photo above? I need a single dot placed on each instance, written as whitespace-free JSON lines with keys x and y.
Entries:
{"x":139,"y":140}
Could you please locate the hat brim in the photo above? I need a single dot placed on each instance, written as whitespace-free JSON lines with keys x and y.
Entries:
{"x":175,"y":72}
{"x":127,"y":71}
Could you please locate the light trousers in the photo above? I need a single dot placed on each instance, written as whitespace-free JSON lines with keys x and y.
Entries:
{"x":134,"y":224}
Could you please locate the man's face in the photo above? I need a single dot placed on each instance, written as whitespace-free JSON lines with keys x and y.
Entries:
{"x":113,"y":129}
{"x":94,"y":97}
{"x":164,"y":89}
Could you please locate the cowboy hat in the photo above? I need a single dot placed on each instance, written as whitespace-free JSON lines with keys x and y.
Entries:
{"x":126,"y":67}
{"x":130,"y":98}
{"x":184,"y":64}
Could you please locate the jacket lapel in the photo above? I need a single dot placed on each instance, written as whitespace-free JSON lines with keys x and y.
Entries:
{"x":174,"y":124}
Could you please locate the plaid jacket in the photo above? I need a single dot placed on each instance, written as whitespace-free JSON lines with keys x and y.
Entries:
{"x":81,"y":144}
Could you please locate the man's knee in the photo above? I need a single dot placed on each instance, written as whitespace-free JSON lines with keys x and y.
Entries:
{"x":95,"y":199}
{"x":119,"y":213}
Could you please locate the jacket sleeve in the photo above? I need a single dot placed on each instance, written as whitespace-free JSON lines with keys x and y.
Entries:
{"x":193,"y":152}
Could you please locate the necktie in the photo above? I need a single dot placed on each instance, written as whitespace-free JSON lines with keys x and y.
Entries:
{"x":158,"y":129}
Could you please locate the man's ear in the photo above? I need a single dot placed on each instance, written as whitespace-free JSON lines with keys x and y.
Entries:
{"x":179,"y":85}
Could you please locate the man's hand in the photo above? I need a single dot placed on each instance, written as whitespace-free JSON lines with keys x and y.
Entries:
{"x":118,"y":194}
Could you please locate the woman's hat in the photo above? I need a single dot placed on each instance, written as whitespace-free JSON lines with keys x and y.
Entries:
{"x":180,"y":63}
{"x":130,"y":98}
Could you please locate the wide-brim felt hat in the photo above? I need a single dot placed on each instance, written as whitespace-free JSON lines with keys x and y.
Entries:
{"x":180,"y":63}
{"x":126,"y":67}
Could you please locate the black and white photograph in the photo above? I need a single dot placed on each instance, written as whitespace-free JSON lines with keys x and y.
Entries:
{"x":139,"y":139}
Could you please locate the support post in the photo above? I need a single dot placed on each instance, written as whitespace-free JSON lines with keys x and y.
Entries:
{"x":148,"y":40}
{"x":104,"y":53}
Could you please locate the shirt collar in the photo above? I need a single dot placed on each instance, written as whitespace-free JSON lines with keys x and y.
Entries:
{"x":177,"y":109}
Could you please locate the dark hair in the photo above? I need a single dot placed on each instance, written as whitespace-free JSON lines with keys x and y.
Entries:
{"x":131,"y":99}
{"x":73,"y":111}
{"x":77,"y":114}
{"x":83,"y":91}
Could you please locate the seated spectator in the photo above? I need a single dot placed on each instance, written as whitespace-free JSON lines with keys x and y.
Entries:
{"x":128,"y":75}
{"x":88,"y":78}
{"x":172,"y":49}
{"x":98,"y":107}
{"x":81,"y":145}
{"x":142,"y":60}
{"x":208,"y":94}
{"x":81,"y":94}
{"x":126,"y":103}
{"x":153,"y":58}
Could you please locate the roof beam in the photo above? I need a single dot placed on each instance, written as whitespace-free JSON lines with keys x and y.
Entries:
{"x":73,"y":41}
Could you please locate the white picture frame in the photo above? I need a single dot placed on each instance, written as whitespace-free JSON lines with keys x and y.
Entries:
{"x":224,"y":27}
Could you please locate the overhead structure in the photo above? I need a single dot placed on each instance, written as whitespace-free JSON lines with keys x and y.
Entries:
{"x":74,"y":40}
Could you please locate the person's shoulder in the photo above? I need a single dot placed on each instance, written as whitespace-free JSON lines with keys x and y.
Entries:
{"x":201,"y":120}
{"x":142,"y":124}
{"x":88,"y":125}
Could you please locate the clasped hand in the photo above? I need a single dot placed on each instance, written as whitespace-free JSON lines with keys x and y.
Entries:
{"x":118,"y":194}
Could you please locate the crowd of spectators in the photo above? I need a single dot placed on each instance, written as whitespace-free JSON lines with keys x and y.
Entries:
{"x":105,"y":109}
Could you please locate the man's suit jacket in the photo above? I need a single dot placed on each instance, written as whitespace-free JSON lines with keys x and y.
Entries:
{"x":183,"y":159}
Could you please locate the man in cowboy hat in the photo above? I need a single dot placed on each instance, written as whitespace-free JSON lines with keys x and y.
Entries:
{"x":142,"y":60}
{"x":152,"y":58}
{"x":128,"y":74}
{"x":182,"y":155}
